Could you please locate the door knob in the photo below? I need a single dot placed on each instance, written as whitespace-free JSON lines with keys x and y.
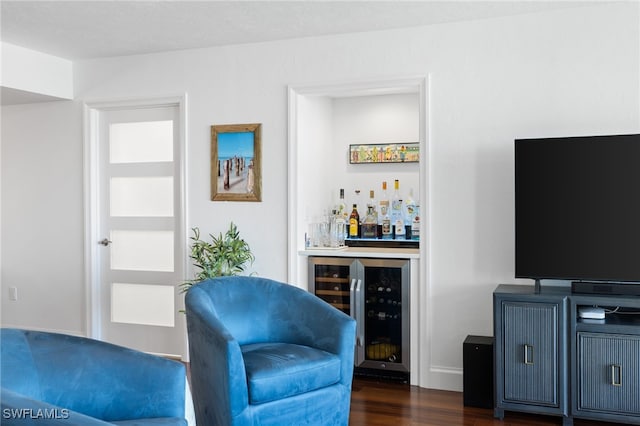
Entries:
{"x":105,"y":242}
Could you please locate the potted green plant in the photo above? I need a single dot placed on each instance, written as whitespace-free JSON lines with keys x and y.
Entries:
{"x":225,"y":255}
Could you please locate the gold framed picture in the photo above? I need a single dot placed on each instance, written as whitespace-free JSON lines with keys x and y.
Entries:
{"x":236,"y":162}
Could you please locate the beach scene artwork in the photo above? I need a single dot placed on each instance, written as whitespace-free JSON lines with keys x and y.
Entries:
{"x":235,"y":163}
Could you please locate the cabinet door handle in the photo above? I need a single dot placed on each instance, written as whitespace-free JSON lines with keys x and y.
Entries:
{"x":359,"y":314}
{"x":528,"y":354}
{"x":616,"y":375}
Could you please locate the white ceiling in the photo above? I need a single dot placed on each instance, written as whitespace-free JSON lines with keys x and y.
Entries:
{"x":79,"y":30}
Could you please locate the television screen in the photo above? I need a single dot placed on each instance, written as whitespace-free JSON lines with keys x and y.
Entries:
{"x":577,"y":208}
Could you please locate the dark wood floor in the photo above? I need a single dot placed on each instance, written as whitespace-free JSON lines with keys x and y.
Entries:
{"x":383,"y":403}
{"x":377,"y":403}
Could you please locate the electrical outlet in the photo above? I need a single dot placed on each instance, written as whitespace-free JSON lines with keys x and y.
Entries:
{"x":13,"y":293}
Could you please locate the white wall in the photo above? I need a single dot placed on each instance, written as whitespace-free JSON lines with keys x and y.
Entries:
{"x":374,"y":119}
{"x":42,"y":216}
{"x":316,"y":122}
{"x":35,"y":72}
{"x":567,"y":72}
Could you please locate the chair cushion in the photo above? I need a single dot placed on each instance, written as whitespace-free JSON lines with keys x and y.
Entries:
{"x":281,"y":370}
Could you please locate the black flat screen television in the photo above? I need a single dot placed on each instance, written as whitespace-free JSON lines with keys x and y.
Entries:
{"x":577,"y":208}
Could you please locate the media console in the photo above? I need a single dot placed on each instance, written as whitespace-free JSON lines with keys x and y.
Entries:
{"x":550,"y":361}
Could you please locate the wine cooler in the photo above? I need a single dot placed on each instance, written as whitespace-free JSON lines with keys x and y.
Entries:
{"x":375,"y":292}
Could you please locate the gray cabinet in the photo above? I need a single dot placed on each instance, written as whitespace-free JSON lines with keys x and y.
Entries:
{"x":605,"y":362}
{"x":608,"y":374}
{"x":550,"y":361}
{"x":530,"y":351}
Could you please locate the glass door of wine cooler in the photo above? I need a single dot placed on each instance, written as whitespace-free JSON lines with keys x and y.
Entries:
{"x":375,"y":292}
{"x":383,"y":318}
{"x":331,"y":280}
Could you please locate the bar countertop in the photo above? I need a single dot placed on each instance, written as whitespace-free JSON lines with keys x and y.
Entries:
{"x":377,"y":252}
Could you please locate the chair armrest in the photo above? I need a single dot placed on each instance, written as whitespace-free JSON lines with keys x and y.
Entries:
{"x":153,"y":386}
{"x":123,"y":383}
{"x":217,"y":365}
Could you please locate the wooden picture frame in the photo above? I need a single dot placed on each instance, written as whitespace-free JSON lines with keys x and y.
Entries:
{"x":236,"y":165}
{"x":408,"y":152}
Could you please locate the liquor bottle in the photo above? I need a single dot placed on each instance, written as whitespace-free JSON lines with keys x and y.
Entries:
{"x":415,"y":224}
{"x":383,"y":204}
{"x":409,"y":204}
{"x":358,"y":203}
{"x":396,"y":199}
{"x":354,"y":222}
{"x":341,"y":207}
{"x":397,"y":216}
{"x":340,"y":220}
{"x":409,"y":211}
{"x":398,"y":228}
{"x":372,"y":204}
{"x":387,"y":230}
{"x":369,"y":225}
{"x":337,"y":230}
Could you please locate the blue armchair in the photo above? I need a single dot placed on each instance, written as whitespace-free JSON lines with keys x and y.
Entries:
{"x":50,"y":378}
{"x":267,"y":353}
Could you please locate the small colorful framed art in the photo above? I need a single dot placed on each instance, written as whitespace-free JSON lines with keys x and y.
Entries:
{"x":384,"y":153}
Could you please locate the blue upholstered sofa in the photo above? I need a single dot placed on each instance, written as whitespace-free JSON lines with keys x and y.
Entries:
{"x":57,"y":379}
{"x":267,"y":353}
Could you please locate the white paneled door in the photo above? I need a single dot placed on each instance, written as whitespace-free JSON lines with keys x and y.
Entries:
{"x":137,"y":232}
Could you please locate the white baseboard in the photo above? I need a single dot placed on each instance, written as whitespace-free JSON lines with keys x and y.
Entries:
{"x":443,"y":378}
